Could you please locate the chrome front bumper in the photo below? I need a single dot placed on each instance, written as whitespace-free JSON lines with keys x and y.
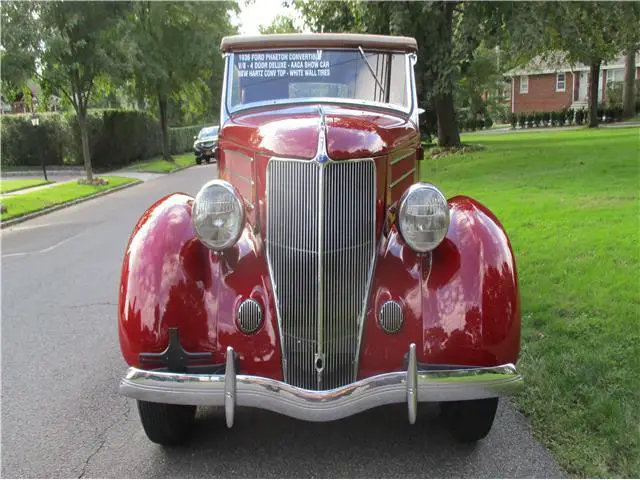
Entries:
{"x":411,"y":386}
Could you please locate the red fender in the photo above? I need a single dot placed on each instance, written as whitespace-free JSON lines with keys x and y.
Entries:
{"x":460,"y":303}
{"x":170,"y":279}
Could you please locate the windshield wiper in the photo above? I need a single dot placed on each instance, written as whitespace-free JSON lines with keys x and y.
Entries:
{"x":375,"y":77}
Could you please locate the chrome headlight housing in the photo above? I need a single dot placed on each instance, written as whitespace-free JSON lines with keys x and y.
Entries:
{"x":218,"y":215}
{"x":423,"y":217}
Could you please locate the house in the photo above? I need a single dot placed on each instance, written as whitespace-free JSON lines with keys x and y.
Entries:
{"x":554,"y":84}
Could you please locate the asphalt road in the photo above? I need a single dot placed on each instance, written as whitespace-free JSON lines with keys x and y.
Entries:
{"x":61,"y":364}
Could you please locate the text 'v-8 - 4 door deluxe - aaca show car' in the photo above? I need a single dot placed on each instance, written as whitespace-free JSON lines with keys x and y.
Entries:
{"x":318,"y":277}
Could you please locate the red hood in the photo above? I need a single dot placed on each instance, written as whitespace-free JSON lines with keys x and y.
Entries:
{"x":293,"y":131}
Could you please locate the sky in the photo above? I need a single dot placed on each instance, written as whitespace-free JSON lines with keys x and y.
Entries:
{"x":262,"y":12}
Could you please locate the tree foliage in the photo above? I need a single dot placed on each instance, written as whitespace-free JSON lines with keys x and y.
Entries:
{"x":280,"y":24}
{"x":176,"y":53}
{"x":68,"y":47}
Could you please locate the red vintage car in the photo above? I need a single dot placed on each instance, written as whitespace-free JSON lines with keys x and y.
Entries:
{"x":318,"y":276}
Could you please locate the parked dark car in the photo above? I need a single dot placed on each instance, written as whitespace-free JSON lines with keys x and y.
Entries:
{"x":204,"y":146}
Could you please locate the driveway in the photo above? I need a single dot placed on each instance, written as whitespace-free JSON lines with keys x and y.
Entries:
{"x":61,"y":364}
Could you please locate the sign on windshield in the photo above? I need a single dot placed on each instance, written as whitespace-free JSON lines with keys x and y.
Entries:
{"x":267,"y":77}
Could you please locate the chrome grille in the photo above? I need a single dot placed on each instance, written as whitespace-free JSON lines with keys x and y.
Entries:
{"x":320,"y":242}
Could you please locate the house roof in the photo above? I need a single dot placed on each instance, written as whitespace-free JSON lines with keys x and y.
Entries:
{"x":317,"y":40}
{"x":557,"y":62}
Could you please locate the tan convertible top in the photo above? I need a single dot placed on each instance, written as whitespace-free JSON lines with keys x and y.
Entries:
{"x":318,"y":40}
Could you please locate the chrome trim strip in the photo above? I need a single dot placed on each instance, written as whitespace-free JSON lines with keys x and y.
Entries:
{"x":410,"y":172}
{"x":326,"y":405}
{"x":399,"y":159}
{"x":320,"y":273}
{"x":274,"y":286}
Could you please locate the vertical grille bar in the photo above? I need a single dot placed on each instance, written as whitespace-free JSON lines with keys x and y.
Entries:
{"x":320,"y":244}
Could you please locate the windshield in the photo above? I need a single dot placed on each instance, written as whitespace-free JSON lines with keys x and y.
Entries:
{"x":261,"y":77}
{"x":208,"y":132}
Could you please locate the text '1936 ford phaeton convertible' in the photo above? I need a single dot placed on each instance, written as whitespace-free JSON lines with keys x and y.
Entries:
{"x":318,"y":276}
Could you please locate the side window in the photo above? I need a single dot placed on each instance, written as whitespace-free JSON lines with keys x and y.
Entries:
{"x":398,"y":90}
{"x":524,"y":84}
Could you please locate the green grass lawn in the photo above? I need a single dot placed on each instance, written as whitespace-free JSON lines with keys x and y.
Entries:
{"x":570,"y":202}
{"x":19,"y":205}
{"x":10,"y":185}
{"x":158,"y":165}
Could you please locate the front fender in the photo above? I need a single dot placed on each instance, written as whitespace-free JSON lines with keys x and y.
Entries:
{"x":460,"y":302}
{"x":169,"y":279}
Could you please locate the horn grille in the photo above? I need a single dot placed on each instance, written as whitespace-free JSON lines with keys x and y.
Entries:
{"x":249,"y":316}
{"x":391,"y":317}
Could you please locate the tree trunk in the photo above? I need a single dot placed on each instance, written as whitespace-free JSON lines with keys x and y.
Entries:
{"x":594,"y":71}
{"x":628,"y":93}
{"x":84,"y":137}
{"x":164,"y":127}
{"x":448,"y":135}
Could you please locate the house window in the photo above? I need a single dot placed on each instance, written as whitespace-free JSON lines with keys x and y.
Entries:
{"x":615,"y":75}
{"x":524,"y":84}
{"x":560,"y":82}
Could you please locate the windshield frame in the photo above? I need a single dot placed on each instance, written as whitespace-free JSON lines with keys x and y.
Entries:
{"x":228,"y":110}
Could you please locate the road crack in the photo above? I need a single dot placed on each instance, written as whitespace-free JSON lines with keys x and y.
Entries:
{"x":102,"y":436}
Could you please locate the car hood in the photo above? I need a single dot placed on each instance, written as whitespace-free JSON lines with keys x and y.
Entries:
{"x":294,"y":131}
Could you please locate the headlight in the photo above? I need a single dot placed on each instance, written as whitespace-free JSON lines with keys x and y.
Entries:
{"x":424,"y":217}
{"x":218,"y":215}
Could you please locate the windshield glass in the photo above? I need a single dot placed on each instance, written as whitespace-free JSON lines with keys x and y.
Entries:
{"x":266,"y":77}
{"x":208,"y":132}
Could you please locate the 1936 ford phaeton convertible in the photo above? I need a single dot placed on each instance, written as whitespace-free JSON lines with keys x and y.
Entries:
{"x":318,"y":277}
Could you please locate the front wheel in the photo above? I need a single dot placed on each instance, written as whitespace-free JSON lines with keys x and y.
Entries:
{"x":470,"y":420}
{"x":166,"y":424}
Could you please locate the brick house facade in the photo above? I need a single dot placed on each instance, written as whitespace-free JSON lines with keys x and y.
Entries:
{"x":544,"y":88}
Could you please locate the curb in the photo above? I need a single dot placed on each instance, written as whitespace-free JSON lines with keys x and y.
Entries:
{"x":39,"y":213}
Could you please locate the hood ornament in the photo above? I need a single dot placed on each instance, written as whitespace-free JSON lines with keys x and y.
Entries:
{"x":322,"y":156}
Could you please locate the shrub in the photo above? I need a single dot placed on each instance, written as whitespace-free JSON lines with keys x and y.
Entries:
{"x":600,"y":112}
{"x":488,"y":122}
{"x":570,"y":116}
{"x":530,"y":120}
{"x":580,"y":117}
{"x":537,"y":118}
{"x":480,"y":123}
{"x":513,"y":119}
{"x":181,"y":139}
{"x":471,"y":124}
{"x":117,"y":137}
{"x":562,"y":117}
{"x":553,"y":119}
{"x":26,"y":145}
{"x":546,"y":118}
{"x":522,"y":119}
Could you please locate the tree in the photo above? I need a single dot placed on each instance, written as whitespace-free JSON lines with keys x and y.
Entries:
{"x":280,"y":24}
{"x":68,"y":46}
{"x":628,"y":93}
{"x":176,"y":48}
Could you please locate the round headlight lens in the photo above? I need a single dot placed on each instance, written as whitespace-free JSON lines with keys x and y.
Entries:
{"x":218,"y":215}
{"x":424,"y":217}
